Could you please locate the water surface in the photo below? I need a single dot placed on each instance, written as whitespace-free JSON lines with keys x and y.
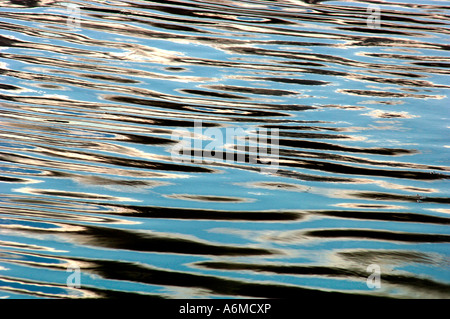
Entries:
{"x":89,"y":106}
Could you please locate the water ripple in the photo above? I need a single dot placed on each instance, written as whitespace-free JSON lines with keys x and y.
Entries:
{"x":91,"y":176}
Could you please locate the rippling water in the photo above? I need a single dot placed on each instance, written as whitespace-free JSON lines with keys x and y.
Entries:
{"x":92,"y":93}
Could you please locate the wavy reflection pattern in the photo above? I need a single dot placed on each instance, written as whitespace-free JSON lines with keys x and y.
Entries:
{"x":88,"y":177}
